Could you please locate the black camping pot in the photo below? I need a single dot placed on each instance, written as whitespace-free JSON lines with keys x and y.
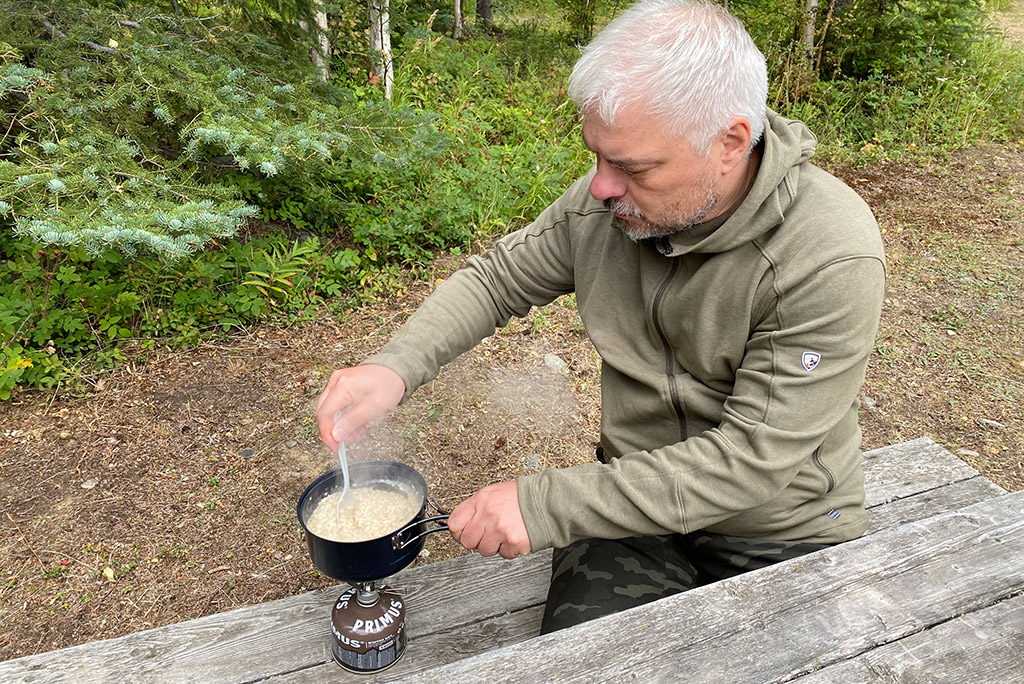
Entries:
{"x":375,"y":559}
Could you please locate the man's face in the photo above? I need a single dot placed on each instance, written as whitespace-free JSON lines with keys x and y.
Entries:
{"x":654,"y":185}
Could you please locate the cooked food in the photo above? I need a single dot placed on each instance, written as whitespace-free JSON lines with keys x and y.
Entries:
{"x":367,"y":512}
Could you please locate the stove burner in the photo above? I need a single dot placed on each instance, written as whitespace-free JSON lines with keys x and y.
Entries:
{"x":368,"y":623}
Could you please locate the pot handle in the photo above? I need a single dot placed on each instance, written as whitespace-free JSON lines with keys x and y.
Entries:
{"x":397,"y":543}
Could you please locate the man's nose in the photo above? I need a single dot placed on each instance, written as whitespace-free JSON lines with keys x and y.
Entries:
{"x":607,"y":183}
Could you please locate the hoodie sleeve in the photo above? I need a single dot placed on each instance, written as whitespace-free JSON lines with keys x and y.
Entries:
{"x":527,"y":268}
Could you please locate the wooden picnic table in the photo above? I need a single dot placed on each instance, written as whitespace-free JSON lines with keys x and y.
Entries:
{"x":933,"y":593}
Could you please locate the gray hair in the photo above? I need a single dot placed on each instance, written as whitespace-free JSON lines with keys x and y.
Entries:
{"x":687,"y":62}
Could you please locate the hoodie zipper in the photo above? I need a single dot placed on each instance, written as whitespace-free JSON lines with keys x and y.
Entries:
{"x":828,"y":475}
{"x":673,"y":389}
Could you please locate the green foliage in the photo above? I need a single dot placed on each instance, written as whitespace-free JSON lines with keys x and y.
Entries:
{"x":579,"y":18}
{"x":519,"y":144}
{"x":121,"y":130}
{"x":189,"y":126}
{"x":925,"y":107}
{"x":61,"y":307}
{"x":919,"y":76}
{"x":878,"y":35}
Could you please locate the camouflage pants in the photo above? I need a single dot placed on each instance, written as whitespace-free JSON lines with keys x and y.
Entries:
{"x":596,"y":577}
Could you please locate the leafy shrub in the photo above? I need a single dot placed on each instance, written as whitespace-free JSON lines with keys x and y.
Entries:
{"x":878,"y":35}
{"x":917,"y":76}
{"x":60,"y":306}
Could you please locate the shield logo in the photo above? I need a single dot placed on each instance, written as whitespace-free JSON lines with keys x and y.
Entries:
{"x":810,"y":360}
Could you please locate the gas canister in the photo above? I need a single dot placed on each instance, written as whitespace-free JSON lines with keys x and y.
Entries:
{"x":368,"y":624}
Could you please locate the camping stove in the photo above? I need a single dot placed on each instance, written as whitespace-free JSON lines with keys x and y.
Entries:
{"x":368,"y":624}
{"x":368,"y":619}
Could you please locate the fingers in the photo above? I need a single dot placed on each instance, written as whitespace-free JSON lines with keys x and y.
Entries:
{"x":361,"y":394}
{"x":490,"y":522}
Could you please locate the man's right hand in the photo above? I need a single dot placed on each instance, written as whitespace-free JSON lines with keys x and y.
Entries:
{"x":362,"y":394}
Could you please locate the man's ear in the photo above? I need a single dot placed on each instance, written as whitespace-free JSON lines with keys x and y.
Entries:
{"x":735,"y":141}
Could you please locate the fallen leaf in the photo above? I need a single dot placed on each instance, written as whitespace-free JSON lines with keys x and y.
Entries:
{"x":90,"y":483}
{"x":108,"y":572}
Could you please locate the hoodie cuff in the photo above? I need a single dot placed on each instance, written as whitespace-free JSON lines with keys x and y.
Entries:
{"x":535,"y":513}
{"x":412,"y":377}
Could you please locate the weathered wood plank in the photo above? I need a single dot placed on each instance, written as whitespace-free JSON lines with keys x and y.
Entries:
{"x":932,"y":502}
{"x":984,"y":647}
{"x":906,"y":469}
{"x":293,"y":634}
{"x":789,"y":619}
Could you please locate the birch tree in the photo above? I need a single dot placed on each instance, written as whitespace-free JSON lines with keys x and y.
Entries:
{"x":457,"y":22}
{"x":810,"y":24}
{"x":380,"y":44}
{"x":320,"y":53}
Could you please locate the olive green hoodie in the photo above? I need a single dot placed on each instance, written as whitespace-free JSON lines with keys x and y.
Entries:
{"x":732,"y":356}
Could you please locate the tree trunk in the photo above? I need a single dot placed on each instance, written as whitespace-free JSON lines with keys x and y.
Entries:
{"x":457,"y":23}
{"x":380,"y":44}
{"x":810,"y":23}
{"x":485,"y":11}
{"x":321,"y":52}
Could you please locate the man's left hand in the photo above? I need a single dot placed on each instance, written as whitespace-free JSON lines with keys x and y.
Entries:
{"x":490,"y":522}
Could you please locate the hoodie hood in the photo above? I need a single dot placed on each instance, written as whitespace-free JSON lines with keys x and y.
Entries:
{"x":785,"y":146}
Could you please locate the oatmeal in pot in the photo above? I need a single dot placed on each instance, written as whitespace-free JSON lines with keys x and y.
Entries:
{"x":367,"y":513}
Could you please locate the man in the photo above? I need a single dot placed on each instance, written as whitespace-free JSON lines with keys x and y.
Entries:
{"x":733,"y":291}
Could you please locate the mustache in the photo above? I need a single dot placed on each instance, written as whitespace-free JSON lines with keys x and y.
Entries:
{"x":619,"y":207}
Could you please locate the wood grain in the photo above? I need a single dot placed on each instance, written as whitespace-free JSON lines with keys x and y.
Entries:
{"x":906,"y":469}
{"x":931,"y":502}
{"x":789,"y":619}
{"x":984,"y":647}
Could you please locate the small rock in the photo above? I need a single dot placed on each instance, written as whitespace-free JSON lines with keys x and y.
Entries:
{"x":532,"y":462}
{"x":868,"y":402}
{"x":424,"y":554}
{"x":90,"y":483}
{"x":967,"y":452}
{"x":247,"y":453}
{"x":64,"y":434}
{"x":290,"y":443}
{"x":555,"y":363}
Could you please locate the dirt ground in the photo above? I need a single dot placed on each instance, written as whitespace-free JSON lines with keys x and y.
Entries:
{"x":169,"y":491}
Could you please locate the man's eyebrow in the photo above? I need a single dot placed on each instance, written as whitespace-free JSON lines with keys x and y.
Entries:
{"x":623,"y":161}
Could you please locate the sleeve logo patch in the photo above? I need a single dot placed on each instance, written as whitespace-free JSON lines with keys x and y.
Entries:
{"x":810,"y":360}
